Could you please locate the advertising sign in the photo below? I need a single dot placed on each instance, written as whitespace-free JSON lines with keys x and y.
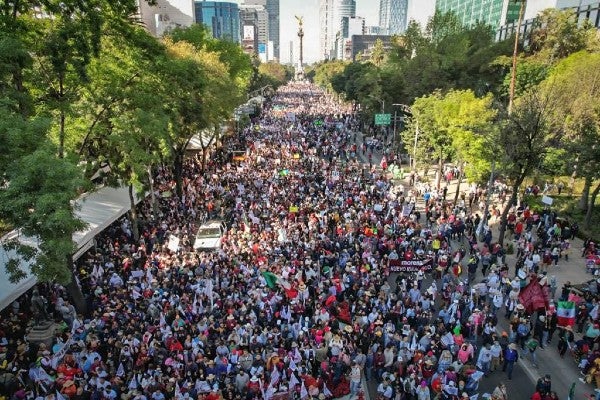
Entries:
{"x":248,"y":32}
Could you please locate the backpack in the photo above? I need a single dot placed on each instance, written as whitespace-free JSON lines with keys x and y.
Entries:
{"x":532,"y":345}
{"x":522,"y":330}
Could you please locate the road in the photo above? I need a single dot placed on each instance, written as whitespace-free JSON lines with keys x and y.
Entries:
{"x":564,"y":372}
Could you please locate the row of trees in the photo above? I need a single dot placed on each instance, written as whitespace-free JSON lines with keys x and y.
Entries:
{"x":457,"y":80}
{"x":84,"y":89}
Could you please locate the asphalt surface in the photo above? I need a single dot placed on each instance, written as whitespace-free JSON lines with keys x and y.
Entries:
{"x":563,"y":371}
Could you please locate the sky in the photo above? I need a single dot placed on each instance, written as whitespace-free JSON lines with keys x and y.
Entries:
{"x":309,"y":9}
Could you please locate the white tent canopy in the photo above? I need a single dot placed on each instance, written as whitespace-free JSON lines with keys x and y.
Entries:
{"x":97,"y":209}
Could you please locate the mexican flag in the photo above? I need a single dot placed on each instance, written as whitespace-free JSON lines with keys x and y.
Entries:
{"x":566,"y":313}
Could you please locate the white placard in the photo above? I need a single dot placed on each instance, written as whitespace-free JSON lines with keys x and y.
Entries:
{"x":173,"y":243}
{"x":547,"y":200}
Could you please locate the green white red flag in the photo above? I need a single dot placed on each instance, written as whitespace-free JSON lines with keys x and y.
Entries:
{"x":565,"y":313}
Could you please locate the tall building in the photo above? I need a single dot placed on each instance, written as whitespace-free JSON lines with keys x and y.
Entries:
{"x":166,"y":15}
{"x":491,"y":12}
{"x":350,"y":26}
{"x":331,"y":15}
{"x":221,"y":18}
{"x":327,"y":27}
{"x":268,"y":28}
{"x":392,"y":16}
{"x":255,"y":25}
{"x":273,"y":11}
{"x":344,"y":8}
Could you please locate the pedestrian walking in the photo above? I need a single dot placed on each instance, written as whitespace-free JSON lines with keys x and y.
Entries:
{"x":511,"y":357}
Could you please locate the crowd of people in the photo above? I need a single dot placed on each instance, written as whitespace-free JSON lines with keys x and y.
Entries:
{"x":327,"y":277}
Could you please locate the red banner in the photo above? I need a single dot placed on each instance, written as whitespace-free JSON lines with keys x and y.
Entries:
{"x":533,"y":296}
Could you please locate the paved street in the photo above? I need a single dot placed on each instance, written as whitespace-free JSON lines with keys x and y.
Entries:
{"x":563,"y":371}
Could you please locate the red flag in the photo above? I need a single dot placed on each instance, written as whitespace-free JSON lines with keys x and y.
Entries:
{"x":533,"y":296}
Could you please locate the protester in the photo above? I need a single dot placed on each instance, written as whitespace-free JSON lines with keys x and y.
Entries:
{"x":325,"y":271}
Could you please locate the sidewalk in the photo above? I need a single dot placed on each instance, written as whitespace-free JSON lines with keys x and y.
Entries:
{"x":564,"y":371}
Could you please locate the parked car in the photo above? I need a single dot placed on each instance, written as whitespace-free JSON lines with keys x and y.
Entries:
{"x":210,"y":235}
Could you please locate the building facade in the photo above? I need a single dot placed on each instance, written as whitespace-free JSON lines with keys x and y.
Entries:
{"x":267,"y":23}
{"x":393,"y":16}
{"x":255,"y":29}
{"x":166,"y":15}
{"x":494,"y":13}
{"x":273,"y":11}
{"x":221,"y":18}
{"x":588,"y":10}
{"x":331,"y":16}
{"x":343,"y":45}
{"x":362,"y":45}
{"x":327,"y":29}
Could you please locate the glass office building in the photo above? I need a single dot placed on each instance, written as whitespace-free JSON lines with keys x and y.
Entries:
{"x":221,"y":18}
{"x":491,"y":12}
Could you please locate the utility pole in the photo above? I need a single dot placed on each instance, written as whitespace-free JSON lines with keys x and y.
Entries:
{"x":513,"y":74}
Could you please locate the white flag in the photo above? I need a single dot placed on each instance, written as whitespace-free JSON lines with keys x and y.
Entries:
{"x":413,"y":343}
{"x":293,"y":381}
{"x":275,"y":375}
{"x":269,"y":392}
{"x":194,"y":306}
{"x":293,"y":366}
{"x":135,"y":294}
{"x":121,"y":370}
{"x":326,"y":391}
{"x":297,"y":355}
{"x":303,"y":391}
{"x":178,"y":394}
{"x":133,"y":383}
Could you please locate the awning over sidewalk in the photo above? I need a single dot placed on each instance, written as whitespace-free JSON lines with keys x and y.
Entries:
{"x":98,"y":209}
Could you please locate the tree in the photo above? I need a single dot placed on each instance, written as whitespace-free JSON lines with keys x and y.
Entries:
{"x":273,"y":74}
{"x":195,"y":81}
{"x":575,"y":84}
{"x":35,"y":195}
{"x":453,"y":124}
{"x":326,"y":70}
{"x":558,"y":33}
{"x":471,"y":126}
{"x":430,"y":121}
{"x":521,"y":143}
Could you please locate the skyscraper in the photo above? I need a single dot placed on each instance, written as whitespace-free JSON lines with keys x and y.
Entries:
{"x":327,"y":27}
{"x":491,"y":12}
{"x":221,"y":18}
{"x":273,"y":10}
{"x":271,"y":24}
{"x":392,"y":16}
{"x":331,"y":15}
